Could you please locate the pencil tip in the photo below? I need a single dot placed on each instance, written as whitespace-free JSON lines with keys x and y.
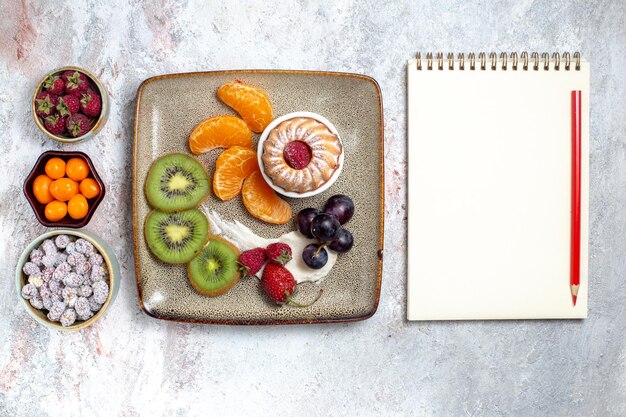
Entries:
{"x":574,"y":299}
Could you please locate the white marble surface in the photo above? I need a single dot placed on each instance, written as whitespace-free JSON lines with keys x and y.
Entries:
{"x":129,"y":364}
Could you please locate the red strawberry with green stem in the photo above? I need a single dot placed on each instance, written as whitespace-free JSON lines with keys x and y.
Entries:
{"x":251,"y":261}
{"x":90,"y":103}
{"x":68,"y":105}
{"x":75,"y":83}
{"x":279,"y":285}
{"x":54,"y":85}
{"x":55,"y":124}
{"x":45,"y":104}
{"x":78,"y":124}
{"x":278,"y":253}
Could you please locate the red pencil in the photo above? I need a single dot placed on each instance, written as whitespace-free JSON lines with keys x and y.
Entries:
{"x":575,"y":229}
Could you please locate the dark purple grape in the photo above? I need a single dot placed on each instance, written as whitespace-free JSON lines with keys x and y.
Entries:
{"x":304,"y":219}
{"x":340,"y":206}
{"x":324,"y":227}
{"x":343,"y":242}
{"x":313,"y":258}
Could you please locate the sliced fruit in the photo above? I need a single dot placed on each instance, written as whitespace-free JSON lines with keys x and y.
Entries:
{"x":215,"y":270}
{"x":231,"y":168}
{"x":220,"y":132}
{"x":263,"y":202}
{"x":176,"y":182}
{"x":252,"y":104}
{"x":175,"y":238}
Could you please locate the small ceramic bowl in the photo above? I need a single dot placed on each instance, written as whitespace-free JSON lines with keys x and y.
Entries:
{"x":109,"y":260}
{"x":95,"y":84}
{"x":39,"y":208}
{"x":266,"y":133}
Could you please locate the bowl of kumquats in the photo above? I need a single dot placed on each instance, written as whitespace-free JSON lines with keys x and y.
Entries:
{"x":64,"y":189}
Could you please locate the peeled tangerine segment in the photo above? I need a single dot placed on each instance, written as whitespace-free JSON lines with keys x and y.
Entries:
{"x":219,"y":132}
{"x":252,"y":104}
{"x":231,"y":168}
{"x":263,"y":202}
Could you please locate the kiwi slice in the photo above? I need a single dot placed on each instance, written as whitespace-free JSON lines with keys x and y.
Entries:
{"x":215,"y":270}
{"x":175,"y":238}
{"x":176,"y":182}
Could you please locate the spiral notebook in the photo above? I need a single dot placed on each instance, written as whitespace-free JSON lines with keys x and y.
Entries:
{"x":490,"y":186}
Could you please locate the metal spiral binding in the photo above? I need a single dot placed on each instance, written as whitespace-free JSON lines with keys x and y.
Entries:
{"x":527,"y":61}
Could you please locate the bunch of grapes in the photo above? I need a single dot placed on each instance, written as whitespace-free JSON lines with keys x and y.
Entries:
{"x":326,"y":227}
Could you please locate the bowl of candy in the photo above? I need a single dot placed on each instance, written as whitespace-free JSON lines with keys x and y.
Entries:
{"x":67,"y":279}
{"x":70,"y":104}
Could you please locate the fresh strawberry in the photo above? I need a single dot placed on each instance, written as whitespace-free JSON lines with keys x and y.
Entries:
{"x":45,"y":104}
{"x":251,"y":261}
{"x":278,"y":253}
{"x":55,"y":124}
{"x":297,"y":154}
{"x":54,"y":85}
{"x":279,"y":285}
{"x":75,"y":83}
{"x":78,"y":124}
{"x":90,"y":103}
{"x":68,"y":105}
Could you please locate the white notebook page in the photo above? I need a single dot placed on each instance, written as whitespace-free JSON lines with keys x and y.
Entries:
{"x":489,"y":193}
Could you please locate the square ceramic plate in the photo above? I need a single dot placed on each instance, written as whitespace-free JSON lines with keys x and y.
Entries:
{"x":170,"y":106}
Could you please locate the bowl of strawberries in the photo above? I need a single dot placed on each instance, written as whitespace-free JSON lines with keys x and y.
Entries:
{"x":70,"y":104}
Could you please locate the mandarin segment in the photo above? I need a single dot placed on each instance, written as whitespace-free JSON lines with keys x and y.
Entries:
{"x":231,"y":168}
{"x":219,"y":132}
{"x":252,"y":104}
{"x":263,"y":202}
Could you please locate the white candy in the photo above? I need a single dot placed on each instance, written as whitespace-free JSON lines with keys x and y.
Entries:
{"x":56,"y":311}
{"x":69,"y":296}
{"x":48,"y":247}
{"x":100,"y":291}
{"x":76,"y":258}
{"x":83,"y":268}
{"x":29,"y":291}
{"x":59,"y":259}
{"x":49,"y":261}
{"x":94,"y":305}
{"x":61,"y":271}
{"x":36,"y":302}
{"x":85,"y":291}
{"x":68,"y":317}
{"x":47,"y":274}
{"x":82,"y":308}
{"x":70,"y":248}
{"x":47,"y":302}
{"x":36,"y":280}
{"x":84,"y":247}
{"x":61,"y":241}
{"x":31,"y":269}
{"x":96,"y":259}
{"x":55,"y":287}
{"x":72,"y":279}
{"x":36,"y":256}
